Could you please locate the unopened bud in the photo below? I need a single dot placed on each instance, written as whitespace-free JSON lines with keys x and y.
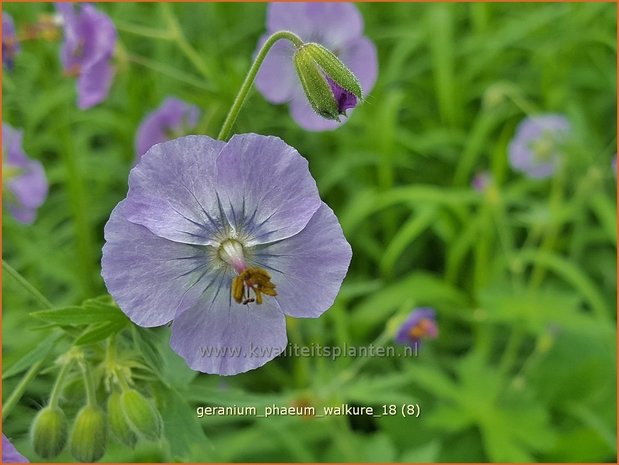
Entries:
{"x":49,"y":432}
{"x":118,"y":423}
{"x":329,"y":85}
{"x":141,"y":414}
{"x":89,"y":434}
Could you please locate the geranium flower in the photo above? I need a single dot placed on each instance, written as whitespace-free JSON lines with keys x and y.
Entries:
{"x":537,"y":147}
{"x":172,"y":119}
{"x":338,"y":27}
{"x":10,"y":454}
{"x":10,"y":45}
{"x":25,"y":181}
{"x":89,"y":41}
{"x":224,"y":239}
{"x":420,"y":324}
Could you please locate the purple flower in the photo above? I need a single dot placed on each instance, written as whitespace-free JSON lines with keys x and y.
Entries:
{"x":10,"y":454}
{"x":614,"y":165}
{"x":481,"y":181}
{"x":420,"y":324}
{"x":225,"y":239}
{"x":90,"y":38}
{"x":10,"y":45}
{"x":172,"y":119}
{"x":25,"y":181}
{"x":536,"y":149}
{"x":337,"y":26}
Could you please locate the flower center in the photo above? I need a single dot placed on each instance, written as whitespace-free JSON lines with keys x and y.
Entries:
{"x":425,"y":327}
{"x":544,"y":147}
{"x":251,"y":283}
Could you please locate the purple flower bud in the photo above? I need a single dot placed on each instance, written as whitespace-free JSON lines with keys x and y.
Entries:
{"x":336,"y":26}
{"x":481,"y":181}
{"x":537,"y":147}
{"x":89,"y":41}
{"x":25,"y":181}
{"x":10,"y":45}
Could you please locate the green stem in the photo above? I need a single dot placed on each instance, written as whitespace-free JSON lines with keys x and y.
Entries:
{"x":57,"y":389}
{"x":78,"y":200}
{"x":511,"y":350}
{"x":177,"y":35}
{"x":89,"y":384}
{"x":18,"y":391}
{"x":249,"y":79}
{"x":26,"y":285}
{"x":143,"y":31}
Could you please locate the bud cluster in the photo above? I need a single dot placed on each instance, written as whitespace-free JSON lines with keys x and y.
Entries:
{"x":129,"y":416}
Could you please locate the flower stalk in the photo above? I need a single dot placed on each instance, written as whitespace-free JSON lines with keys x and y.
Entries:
{"x":240,"y":98}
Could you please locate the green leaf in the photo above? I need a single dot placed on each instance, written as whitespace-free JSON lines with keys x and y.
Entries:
{"x":90,"y":312}
{"x":181,"y":426}
{"x":38,"y":353}
{"x":145,"y":342}
{"x":100,"y":332}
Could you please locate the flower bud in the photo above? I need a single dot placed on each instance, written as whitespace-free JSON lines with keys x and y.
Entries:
{"x":141,"y":414}
{"x":49,"y":432}
{"x":329,"y":85}
{"x":117,"y":421}
{"x":89,"y":435}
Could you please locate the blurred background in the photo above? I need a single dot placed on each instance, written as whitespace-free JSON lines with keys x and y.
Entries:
{"x":521,"y":272}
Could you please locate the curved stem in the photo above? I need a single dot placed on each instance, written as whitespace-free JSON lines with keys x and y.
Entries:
{"x":57,"y":389}
{"x":26,"y":285}
{"x":249,"y":79}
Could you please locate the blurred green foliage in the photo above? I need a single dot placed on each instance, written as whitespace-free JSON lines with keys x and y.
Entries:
{"x":523,"y":276}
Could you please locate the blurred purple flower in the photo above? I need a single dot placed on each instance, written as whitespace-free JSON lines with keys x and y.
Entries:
{"x":90,"y":38}
{"x":338,"y":27}
{"x":536,"y":149}
{"x":224,"y":238}
{"x":25,"y":181}
{"x":420,"y":324}
{"x":481,"y":181}
{"x":614,"y":165}
{"x":172,"y":119}
{"x":10,"y":45}
{"x":10,"y":454}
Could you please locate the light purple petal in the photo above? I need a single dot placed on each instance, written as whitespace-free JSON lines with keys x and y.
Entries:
{"x":266,"y":189}
{"x":10,"y":45}
{"x":94,"y":83}
{"x":10,"y":454}
{"x":332,"y":24}
{"x":89,"y":42}
{"x":172,"y":116}
{"x":28,"y":188}
{"x":308,"y":268}
{"x":238,"y":337}
{"x":152,"y":279}
{"x":172,"y":191}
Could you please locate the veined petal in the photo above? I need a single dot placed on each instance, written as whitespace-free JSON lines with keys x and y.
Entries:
{"x":152,"y":279}
{"x":266,"y":189}
{"x":308,"y":268}
{"x":172,"y":191}
{"x":219,"y":336}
